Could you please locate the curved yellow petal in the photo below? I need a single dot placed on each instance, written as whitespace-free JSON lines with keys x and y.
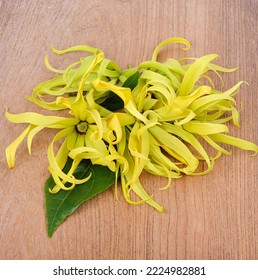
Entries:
{"x":59,"y":184}
{"x":234,"y":141}
{"x":215,"y":145}
{"x":40,"y":120}
{"x":98,"y":134}
{"x":71,"y":140}
{"x":31,"y":134}
{"x":78,"y":48}
{"x":202,"y":128}
{"x":189,"y":138}
{"x":94,"y":155}
{"x":194,"y":72}
{"x":62,"y":154}
{"x":176,"y":148}
{"x":50,"y":67}
{"x":11,"y":149}
{"x":80,"y":141}
{"x":157,"y":66}
{"x":135,"y":185}
{"x":173,"y":40}
{"x":123,"y":93}
{"x":53,"y":165}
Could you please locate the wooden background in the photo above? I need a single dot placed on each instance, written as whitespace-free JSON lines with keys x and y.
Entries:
{"x":209,"y":217}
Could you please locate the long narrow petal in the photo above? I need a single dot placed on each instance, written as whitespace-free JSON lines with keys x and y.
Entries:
{"x":54,"y":167}
{"x":173,"y":40}
{"x":79,"y":48}
{"x":127,"y":185}
{"x":98,"y":134}
{"x":31,"y":135}
{"x":215,"y":145}
{"x":11,"y":149}
{"x":157,"y":66}
{"x":41,"y":120}
{"x":62,"y":154}
{"x":189,"y":138}
{"x":194,"y":72}
{"x":178,"y":148}
{"x":202,"y":128}
{"x":71,"y":140}
{"x":234,"y":141}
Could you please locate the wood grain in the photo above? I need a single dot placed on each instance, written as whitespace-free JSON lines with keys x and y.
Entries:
{"x":211,"y":217}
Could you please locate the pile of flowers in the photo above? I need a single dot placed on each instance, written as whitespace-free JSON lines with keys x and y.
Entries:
{"x":155,"y":117}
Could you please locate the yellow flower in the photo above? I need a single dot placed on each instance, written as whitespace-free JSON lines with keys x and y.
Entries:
{"x":172,"y":113}
{"x":174,"y":108}
{"x":84,"y":137}
{"x":79,"y":74}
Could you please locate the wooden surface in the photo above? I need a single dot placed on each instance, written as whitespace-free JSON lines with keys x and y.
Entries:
{"x":209,"y":217}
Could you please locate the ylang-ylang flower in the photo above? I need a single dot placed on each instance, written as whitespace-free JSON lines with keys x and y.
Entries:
{"x":166,"y":118}
{"x":174,"y":113}
{"x":91,"y":133}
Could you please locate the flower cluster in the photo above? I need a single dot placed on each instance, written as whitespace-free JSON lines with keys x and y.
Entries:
{"x":159,"y":125}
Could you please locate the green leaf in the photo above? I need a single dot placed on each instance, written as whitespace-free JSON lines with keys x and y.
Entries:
{"x":132,"y":81}
{"x":64,"y":203}
{"x":114,"y":102}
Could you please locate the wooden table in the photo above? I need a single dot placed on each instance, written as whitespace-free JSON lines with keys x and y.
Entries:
{"x":209,"y":217}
